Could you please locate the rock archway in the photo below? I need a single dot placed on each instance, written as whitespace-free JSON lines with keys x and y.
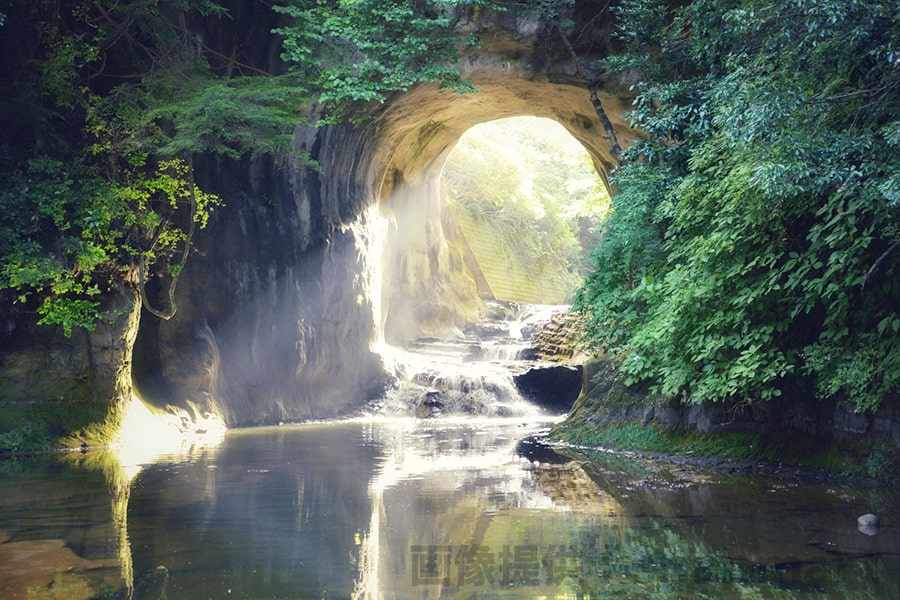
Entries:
{"x":278,"y":311}
{"x":417,"y":132}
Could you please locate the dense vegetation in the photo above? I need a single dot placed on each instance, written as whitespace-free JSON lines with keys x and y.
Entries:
{"x":105,"y":105}
{"x":754,"y":243}
{"x":353,"y":53}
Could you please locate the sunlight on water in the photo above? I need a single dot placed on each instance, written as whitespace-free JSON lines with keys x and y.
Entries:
{"x":145,"y":435}
{"x":452,"y":508}
{"x":428,"y":384}
{"x":468,"y":375}
{"x":447,"y":457}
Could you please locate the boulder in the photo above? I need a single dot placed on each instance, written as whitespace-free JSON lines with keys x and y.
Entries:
{"x":432,"y":406}
{"x":868,"y":524}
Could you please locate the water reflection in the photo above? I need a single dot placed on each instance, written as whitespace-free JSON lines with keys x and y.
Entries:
{"x":441,"y":487}
{"x":437,"y":509}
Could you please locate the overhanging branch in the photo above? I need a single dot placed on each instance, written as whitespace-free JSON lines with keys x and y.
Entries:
{"x":592,"y":86}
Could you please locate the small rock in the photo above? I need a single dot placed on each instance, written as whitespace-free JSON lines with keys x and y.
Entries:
{"x":431,"y":406}
{"x":868,"y":524}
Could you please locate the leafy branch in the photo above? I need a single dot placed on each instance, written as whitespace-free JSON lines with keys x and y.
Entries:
{"x":753,"y":238}
{"x":107,"y":167}
{"x":356,"y":53}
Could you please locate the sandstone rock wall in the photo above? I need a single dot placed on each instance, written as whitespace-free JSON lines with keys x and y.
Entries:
{"x":273,"y":322}
{"x":302,"y":269}
{"x":286,"y":290}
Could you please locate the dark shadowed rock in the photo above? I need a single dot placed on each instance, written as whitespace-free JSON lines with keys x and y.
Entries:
{"x":552,"y":386}
{"x":432,"y":406}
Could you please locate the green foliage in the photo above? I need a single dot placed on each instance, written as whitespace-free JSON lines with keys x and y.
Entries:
{"x":880,"y":463}
{"x":66,"y":232}
{"x":30,"y":437}
{"x":57,"y":238}
{"x":58,"y":424}
{"x":231,"y":117}
{"x":358,"y":52}
{"x":96,"y":176}
{"x":628,"y":436}
{"x":614,"y":297}
{"x":761,"y":252}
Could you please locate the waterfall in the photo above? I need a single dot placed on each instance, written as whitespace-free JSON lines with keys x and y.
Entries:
{"x":468,"y":375}
{"x":370,"y":235}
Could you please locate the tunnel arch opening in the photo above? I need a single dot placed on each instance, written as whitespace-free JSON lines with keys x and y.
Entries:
{"x":304,"y":267}
{"x":498,"y":221}
{"x":433,"y":283}
{"x":525,"y":206}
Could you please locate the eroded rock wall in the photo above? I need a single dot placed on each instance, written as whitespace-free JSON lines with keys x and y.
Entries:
{"x":303,"y":268}
{"x":69,"y":388}
{"x":274,"y":321}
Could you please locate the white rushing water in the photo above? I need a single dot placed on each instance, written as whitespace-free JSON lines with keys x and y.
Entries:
{"x":469,"y":375}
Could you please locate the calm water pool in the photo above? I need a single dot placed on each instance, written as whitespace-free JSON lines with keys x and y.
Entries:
{"x":437,"y":509}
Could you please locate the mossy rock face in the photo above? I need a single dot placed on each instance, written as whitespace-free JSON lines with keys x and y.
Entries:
{"x":789,"y":431}
{"x":605,"y":398}
{"x":58,"y":391}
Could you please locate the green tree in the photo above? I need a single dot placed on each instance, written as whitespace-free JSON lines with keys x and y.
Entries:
{"x":532,"y":188}
{"x":354,"y":53}
{"x":104,"y":105}
{"x":771,"y":245}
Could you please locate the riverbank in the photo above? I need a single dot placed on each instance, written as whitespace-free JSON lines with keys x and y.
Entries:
{"x":812,"y":440}
{"x":693,"y":466}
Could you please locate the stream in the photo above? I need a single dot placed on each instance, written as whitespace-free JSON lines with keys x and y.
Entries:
{"x":470,"y":502}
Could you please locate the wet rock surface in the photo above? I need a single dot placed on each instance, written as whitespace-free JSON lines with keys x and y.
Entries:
{"x":489,"y":370}
{"x":28,"y":569}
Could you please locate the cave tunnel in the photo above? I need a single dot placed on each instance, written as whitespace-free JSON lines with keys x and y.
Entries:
{"x":304,"y":268}
{"x":415,"y":136}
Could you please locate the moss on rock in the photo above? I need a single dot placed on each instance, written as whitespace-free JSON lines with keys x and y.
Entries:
{"x":60,"y":392}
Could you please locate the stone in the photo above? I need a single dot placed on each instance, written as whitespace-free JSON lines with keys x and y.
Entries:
{"x":868,"y":524}
{"x":38,"y":564}
{"x":89,"y":372}
{"x":432,"y":406}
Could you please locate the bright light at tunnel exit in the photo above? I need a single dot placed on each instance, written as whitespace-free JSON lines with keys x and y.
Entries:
{"x":531,"y":145}
{"x":528,"y":203}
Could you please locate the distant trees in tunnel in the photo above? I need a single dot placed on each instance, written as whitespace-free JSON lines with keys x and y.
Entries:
{"x":535,"y":188}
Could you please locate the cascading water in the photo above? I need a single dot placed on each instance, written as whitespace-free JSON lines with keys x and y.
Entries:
{"x":469,"y":375}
